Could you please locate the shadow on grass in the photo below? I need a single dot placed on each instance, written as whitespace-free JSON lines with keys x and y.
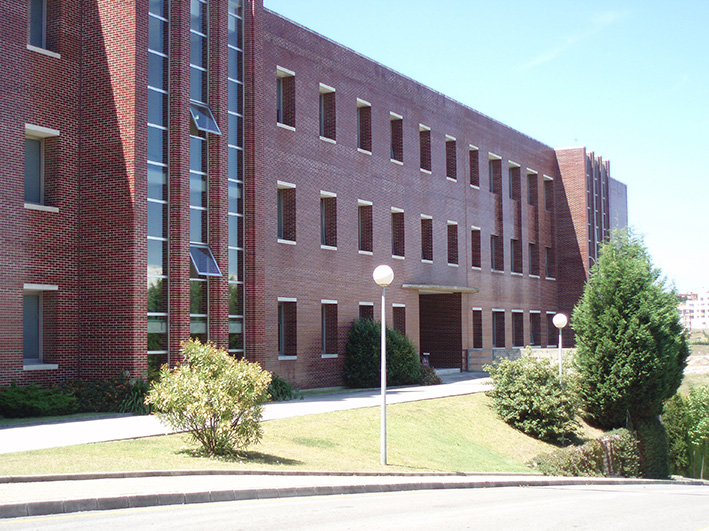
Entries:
{"x":245,"y":457}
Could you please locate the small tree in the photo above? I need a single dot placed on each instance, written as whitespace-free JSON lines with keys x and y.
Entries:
{"x":216,"y":398}
{"x":698,"y":413}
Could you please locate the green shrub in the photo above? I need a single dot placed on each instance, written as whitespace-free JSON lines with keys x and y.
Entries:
{"x":279,"y":389}
{"x":362,"y":364}
{"x":527,"y":395}
{"x":675,"y":418}
{"x":429,"y":376}
{"x":32,"y":401}
{"x":134,"y":400}
{"x":652,"y":441}
{"x":98,"y":395}
{"x":216,"y":398}
{"x":614,"y":454}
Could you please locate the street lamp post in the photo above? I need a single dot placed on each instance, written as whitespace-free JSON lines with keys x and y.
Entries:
{"x":560,"y":322}
{"x":383,"y":276}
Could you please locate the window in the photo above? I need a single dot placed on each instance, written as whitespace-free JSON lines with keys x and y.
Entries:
{"x":203,"y":119}
{"x":39,"y":146}
{"x":532,"y":188}
{"x":287,"y":328}
{"x":474,"y":167}
{"x":364,"y":125}
{"x":495,"y":172}
{"x":552,"y":331}
{"x":451,"y":163}
{"x":366,"y":310}
{"x":516,"y":252}
{"x":37,"y":23}
{"x":535,"y":329}
{"x":286,"y":212}
{"x":327,"y":112}
{"x":328,"y":220}
{"x":399,"y":318}
{"x":203,"y":261}
{"x":515,"y":182}
{"x":475,"y":247}
{"x":498,"y":329}
{"x":497,"y":254}
{"x":426,"y":238}
{"x":38,"y":312}
{"x":397,"y":232}
{"x":548,"y":193}
{"x":517,"y":329}
{"x":364,"y":217}
{"x":285,"y":97}
{"x":549,"y":262}
{"x":477,"y":328}
{"x":396,"y":124}
{"x":425,"y":147}
{"x":452,"y":242}
{"x":533,"y":260}
{"x":328,"y":313}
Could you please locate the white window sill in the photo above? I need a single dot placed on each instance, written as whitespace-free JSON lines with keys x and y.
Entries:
{"x":453,"y":265}
{"x":287,"y":358}
{"x":497,"y":271}
{"x":330,"y":140}
{"x":284,"y":126}
{"x":515,"y":274}
{"x":451,"y":179}
{"x":368,"y":253}
{"x":397,"y":257}
{"x":286,"y":242}
{"x":550,"y":278}
{"x":476,"y":268}
{"x":39,"y":366}
{"x":328,"y":356}
{"x":43,"y":208}
{"x":44,"y":51}
{"x":328,"y":247}
{"x":427,"y":172}
{"x":364,"y":151}
{"x":426,"y":261}
{"x":475,"y":187}
{"x":533,"y":276}
{"x":399,"y":162}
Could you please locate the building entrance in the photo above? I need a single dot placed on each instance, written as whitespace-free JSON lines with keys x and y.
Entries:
{"x":441,"y":335}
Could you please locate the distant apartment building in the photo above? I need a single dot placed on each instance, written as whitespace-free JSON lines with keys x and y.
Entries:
{"x":694,"y":310}
{"x":210,"y":169}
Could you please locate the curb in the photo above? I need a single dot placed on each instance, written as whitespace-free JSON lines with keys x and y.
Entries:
{"x":41,"y":508}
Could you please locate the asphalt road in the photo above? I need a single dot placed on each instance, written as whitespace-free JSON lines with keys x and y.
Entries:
{"x":616,"y":507}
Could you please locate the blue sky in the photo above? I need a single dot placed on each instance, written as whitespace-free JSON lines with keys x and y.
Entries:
{"x":628,"y":80}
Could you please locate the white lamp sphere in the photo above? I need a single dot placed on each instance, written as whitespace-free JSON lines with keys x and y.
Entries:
{"x":383,"y":275}
{"x":560,"y":320}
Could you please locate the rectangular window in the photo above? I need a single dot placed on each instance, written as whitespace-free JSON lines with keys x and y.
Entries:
{"x":475,"y":247}
{"x":397,"y":232}
{"x":287,"y":328}
{"x":34,"y":174}
{"x":552,"y":331}
{"x":451,"y":163}
{"x":32,"y":326}
{"x":203,"y":261}
{"x":329,"y":343}
{"x":286,"y":212}
{"x":516,"y":251}
{"x":366,"y":310}
{"x":37,"y":23}
{"x":425,"y":147}
{"x":517,"y":329}
{"x":396,"y":124}
{"x":549,"y":262}
{"x":532,"y":192}
{"x":533,"y":260}
{"x":426,"y":238}
{"x":364,"y":218}
{"x":285,"y":97}
{"x":399,"y":318}
{"x":327,"y":112}
{"x":548,"y":194}
{"x":495,"y":171}
{"x":328,"y":220}
{"x":474,"y":167}
{"x":535,"y":329}
{"x":498,"y":329}
{"x":452,"y":242}
{"x":364,"y":125}
{"x":477,"y":328}
{"x":497,"y":254}
{"x":515,"y":183}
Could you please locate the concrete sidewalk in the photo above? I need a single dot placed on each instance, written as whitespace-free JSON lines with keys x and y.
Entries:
{"x":130,"y":427}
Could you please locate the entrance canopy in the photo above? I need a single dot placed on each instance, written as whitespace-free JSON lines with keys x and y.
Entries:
{"x":431,"y":289}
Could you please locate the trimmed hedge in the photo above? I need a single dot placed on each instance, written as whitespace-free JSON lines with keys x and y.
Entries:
{"x":33,"y":401}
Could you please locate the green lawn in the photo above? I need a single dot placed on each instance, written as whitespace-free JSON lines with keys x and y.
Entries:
{"x":457,"y":434}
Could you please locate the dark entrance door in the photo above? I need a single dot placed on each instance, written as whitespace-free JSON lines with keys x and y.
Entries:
{"x":441,"y":336}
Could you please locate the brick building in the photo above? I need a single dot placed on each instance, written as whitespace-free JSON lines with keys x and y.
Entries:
{"x":211,"y":169}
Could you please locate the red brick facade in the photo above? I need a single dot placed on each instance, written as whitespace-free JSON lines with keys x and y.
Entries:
{"x":85,"y":249}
